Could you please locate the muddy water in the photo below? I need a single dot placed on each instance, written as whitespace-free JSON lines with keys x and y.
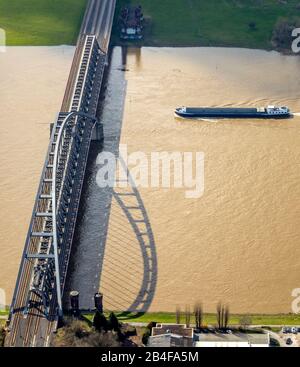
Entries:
{"x":32,"y":82}
{"x":238,"y":243}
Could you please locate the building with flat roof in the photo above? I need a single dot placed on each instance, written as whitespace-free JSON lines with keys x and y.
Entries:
{"x":235,"y":340}
{"x":171,"y":335}
{"x":169,"y":340}
{"x":177,"y":329}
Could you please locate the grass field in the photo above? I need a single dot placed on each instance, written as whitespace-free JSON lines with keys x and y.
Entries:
{"x":4,"y":313}
{"x":213,"y":22}
{"x":41,"y":22}
{"x":170,"y":22}
{"x":209,"y":319}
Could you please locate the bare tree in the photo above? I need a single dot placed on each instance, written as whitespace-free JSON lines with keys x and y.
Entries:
{"x":219,"y":315}
{"x":226,"y":316}
{"x":178,"y":315}
{"x":198,"y":313}
{"x":222,"y":316}
{"x":187,"y":316}
{"x":282,"y":33}
{"x":245,"y":321}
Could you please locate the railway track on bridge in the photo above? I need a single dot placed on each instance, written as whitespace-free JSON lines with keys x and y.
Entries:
{"x":37,"y":300}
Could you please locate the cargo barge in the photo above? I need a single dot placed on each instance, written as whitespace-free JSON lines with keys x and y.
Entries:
{"x":270,"y":112}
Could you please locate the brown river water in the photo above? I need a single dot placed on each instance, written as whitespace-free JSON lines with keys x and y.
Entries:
{"x":238,"y":243}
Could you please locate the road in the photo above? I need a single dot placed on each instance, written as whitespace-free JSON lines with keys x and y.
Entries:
{"x":35,"y":329}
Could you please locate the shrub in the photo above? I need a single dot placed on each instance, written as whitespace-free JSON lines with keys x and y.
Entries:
{"x":146,"y":336}
{"x":148,"y":332}
{"x":245,"y":321}
{"x":151,"y":325}
{"x":274,"y":342}
{"x":99,"y":322}
{"x":114,"y":323}
{"x":252,"y":26}
{"x":282,"y":33}
{"x":2,"y":337}
{"x":96,"y":339}
{"x":79,"y":334}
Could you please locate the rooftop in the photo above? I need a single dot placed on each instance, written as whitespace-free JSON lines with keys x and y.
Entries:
{"x":180,"y":330}
{"x":170,"y":340}
{"x":232,"y":340}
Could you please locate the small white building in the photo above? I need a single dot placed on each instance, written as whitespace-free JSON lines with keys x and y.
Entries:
{"x":239,"y":340}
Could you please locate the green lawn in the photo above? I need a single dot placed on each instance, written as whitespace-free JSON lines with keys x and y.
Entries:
{"x":170,"y":22}
{"x":4,"y":313}
{"x":209,"y":319}
{"x":213,"y":22}
{"x":41,"y":22}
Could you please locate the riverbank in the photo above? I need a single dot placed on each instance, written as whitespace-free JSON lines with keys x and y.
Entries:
{"x":41,"y":22}
{"x":232,"y":23}
{"x":179,"y":23}
{"x":208,"y":319}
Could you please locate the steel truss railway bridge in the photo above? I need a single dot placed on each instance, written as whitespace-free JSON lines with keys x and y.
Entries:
{"x":37,"y":300}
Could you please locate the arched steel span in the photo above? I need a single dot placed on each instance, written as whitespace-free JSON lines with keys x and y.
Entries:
{"x":34,"y":308}
{"x":63,"y":128}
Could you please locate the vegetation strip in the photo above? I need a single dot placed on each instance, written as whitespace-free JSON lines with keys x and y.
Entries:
{"x":232,"y":23}
{"x":208,"y":319}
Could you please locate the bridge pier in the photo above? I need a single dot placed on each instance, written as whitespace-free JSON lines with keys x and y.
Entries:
{"x":97,"y":134}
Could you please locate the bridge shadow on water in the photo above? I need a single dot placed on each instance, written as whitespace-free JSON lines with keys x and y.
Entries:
{"x":130,"y":202}
{"x":114,"y":248}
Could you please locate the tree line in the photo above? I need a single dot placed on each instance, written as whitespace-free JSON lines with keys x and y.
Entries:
{"x":197,"y":315}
